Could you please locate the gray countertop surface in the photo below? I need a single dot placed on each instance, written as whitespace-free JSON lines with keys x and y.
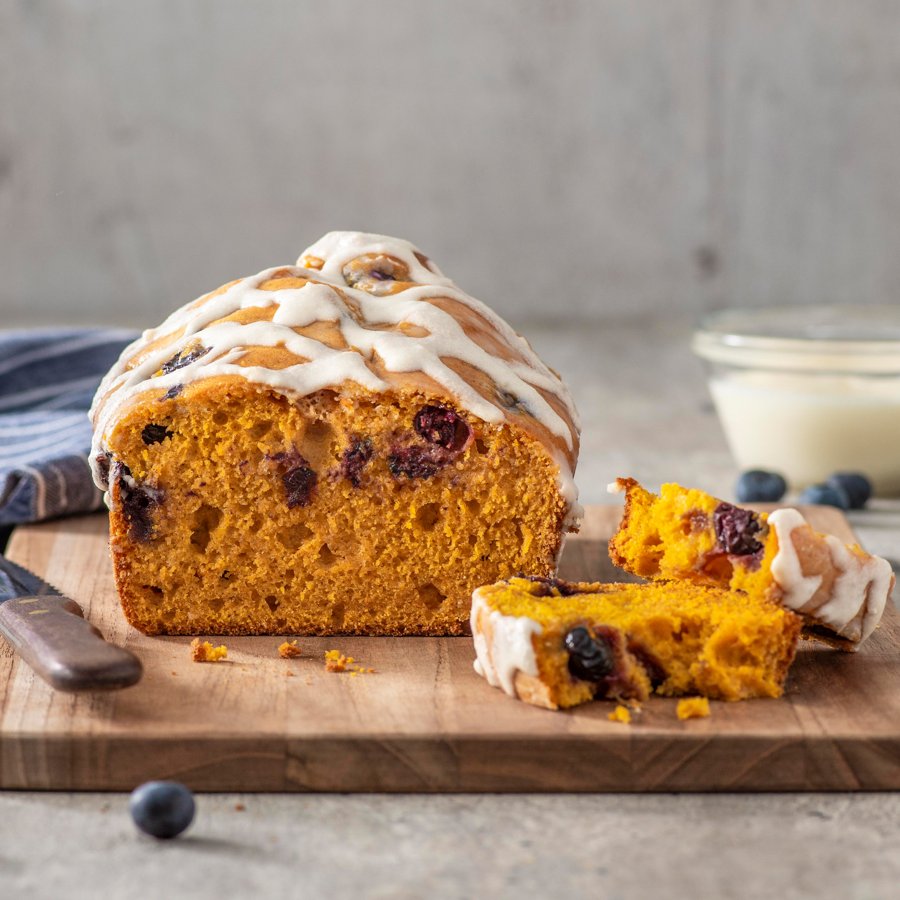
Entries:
{"x":646,"y":413}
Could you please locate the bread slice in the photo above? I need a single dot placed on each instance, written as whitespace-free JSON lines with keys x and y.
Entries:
{"x":349,"y":445}
{"x":685,"y":534}
{"x":556,"y":644}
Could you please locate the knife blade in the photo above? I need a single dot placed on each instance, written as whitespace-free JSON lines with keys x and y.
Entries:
{"x":20,"y":579}
{"x":49,"y":631}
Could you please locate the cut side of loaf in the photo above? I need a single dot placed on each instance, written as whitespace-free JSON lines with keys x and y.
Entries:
{"x":249,"y":513}
{"x":350,"y":445}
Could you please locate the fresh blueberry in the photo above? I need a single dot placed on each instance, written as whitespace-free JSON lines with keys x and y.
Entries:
{"x":855,"y":485}
{"x":162,"y":809}
{"x":759,"y":486}
{"x":825,"y":495}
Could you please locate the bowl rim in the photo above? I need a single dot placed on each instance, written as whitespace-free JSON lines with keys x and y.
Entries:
{"x":720,"y":338}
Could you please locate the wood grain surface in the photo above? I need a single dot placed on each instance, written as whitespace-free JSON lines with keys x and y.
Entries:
{"x":424,"y":721}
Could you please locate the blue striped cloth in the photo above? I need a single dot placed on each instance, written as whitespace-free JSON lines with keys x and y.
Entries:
{"x":47,"y":382}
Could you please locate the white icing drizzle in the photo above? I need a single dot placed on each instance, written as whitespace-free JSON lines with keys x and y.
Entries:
{"x":352,"y":311}
{"x":797,"y":589}
{"x":859,"y":594}
{"x":864,"y":583}
{"x":510,"y":649}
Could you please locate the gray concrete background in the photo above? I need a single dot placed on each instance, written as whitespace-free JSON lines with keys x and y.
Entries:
{"x":618,"y":847}
{"x":576,"y":158}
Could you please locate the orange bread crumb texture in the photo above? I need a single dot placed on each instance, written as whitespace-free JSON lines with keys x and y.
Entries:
{"x":620,"y":714}
{"x":203,"y":651}
{"x":693,"y":708}
{"x":335,"y":661}
{"x":225,"y":527}
{"x":289,"y":650}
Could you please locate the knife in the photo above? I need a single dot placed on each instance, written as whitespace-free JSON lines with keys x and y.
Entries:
{"x":49,"y":631}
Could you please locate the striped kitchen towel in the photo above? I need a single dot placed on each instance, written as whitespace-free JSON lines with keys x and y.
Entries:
{"x":47,"y":382}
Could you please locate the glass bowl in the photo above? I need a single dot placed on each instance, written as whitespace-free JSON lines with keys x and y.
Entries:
{"x":808,"y":391}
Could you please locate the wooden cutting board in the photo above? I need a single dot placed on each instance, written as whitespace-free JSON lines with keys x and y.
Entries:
{"x":425,"y":721}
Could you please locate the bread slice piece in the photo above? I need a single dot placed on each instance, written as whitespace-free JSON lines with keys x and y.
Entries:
{"x":349,"y":445}
{"x":685,"y":534}
{"x":556,"y":644}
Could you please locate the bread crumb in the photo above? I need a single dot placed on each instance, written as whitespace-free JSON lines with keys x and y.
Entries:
{"x":289,"y":674}
{"x":289,"y":650}
{"x":620,"y":714}
{"x":203,"y":651}
{"x":239,"y":807}
{"x":335,"y":661}
{"x":693,"y":708}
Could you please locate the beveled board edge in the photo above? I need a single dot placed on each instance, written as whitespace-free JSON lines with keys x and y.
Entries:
{"x":630,"y":762}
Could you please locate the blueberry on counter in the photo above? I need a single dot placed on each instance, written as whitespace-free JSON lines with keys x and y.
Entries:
{"x":855,"y":485}
{"x":759,"y":486}
{"x":825,"y":495}
{"x":162,"y":809}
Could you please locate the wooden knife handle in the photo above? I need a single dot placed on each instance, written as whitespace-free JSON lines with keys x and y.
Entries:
{"x":51,"y":634}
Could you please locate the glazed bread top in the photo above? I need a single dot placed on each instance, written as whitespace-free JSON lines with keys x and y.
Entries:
{"x":360,"y":313}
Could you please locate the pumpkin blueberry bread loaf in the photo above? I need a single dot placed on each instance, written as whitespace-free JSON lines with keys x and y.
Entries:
{"x":348,"y":445}
{"x":557,"y":644}
{"x":683,"y":534}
